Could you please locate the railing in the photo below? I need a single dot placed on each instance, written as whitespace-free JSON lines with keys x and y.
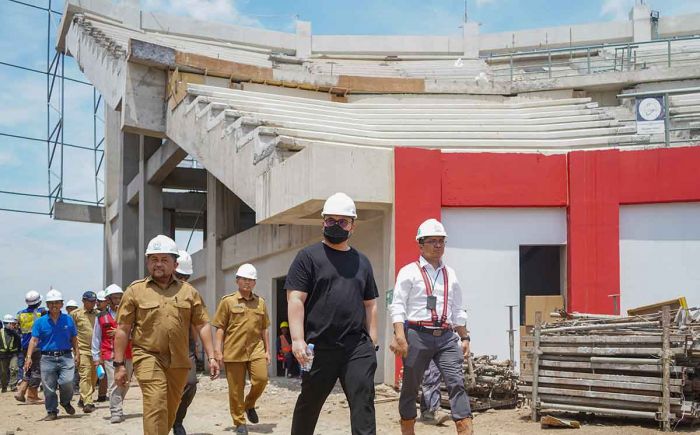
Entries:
{"x":668,"y":129}
{"x":593,"y":59}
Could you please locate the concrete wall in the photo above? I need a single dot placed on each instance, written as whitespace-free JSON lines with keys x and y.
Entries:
{"x":659,"y":252}
{"x":483,"y":247}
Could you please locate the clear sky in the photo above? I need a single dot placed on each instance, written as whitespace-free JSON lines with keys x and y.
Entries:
{"x":37,"y":252}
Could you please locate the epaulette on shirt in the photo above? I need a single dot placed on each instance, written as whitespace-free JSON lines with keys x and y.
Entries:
{"x":227,"y":296}
{"x":137,"y":281}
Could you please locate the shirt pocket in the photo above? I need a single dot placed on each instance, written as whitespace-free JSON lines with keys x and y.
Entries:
{"x":184,"y":310}
{"x":260,"y":318}
{"x":237,"y":315}
{"x":148,"y":316}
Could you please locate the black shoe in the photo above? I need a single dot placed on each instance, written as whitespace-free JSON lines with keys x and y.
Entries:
{"x":101,"y":399}
{"x":80,"y":403}
{"x":178,"y":429}
{"x":51,"y":416}
{"x":69,"y":408}
{"x":252,"y":416}
{"x":88,"y":408}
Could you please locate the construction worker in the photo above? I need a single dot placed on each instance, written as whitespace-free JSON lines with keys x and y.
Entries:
{"x":332,"y":297}
{"x":290,"y":364}
{"x":430,"y":410}
{"x":55,"y":334}
{"x":101,"y":383}
{"x":183,"y":271}
{"x":29,"y":380}
{"x":426,"y":309}
{"x":157,"y":313}
{"x":9,"y":348}
{"x":71,"y":306}
{"x":242,"y":343}
{"x":84,"y":319}
{"x":102,"y":352}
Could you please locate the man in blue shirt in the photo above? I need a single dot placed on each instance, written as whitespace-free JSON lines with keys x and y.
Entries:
{"x":55,"y":334}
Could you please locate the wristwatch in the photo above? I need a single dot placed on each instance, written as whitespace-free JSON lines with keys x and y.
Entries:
{"x":466,"y":338}
{"x":118,"y":364}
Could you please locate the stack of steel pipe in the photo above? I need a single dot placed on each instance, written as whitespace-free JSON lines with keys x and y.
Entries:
{"x":642,"y":366}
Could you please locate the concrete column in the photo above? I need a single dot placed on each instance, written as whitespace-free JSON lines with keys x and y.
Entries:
{"x":150,"y":200}
{"x":471,"y":40}
{"x":169,"y":223}
{"x":128,"y":218}
{"x":303,"y":39}
{"x":640,"y":15}
{"x":112,"y":168}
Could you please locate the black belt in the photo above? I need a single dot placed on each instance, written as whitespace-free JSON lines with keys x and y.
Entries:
{"x":435,"y":332}
{"x":55,"y":352}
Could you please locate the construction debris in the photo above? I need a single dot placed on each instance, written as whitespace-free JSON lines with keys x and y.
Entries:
{"x":644,"y":366}
{"x":548,"y":421}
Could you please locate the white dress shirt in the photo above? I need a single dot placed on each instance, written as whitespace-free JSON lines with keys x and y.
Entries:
{"x":410,"y":299}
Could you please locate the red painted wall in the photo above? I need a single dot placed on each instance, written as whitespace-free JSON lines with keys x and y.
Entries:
{"x":593,"y":258}
{"x":503,"y":180}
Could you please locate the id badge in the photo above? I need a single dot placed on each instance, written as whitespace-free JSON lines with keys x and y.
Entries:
{"x":432,"y":302}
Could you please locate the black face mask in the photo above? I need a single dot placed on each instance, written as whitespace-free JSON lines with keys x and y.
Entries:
{"x":335,"y":234}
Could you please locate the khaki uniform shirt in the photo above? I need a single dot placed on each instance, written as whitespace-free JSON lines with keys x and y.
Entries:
{"x":85,"y":324}
{"x":243,"y":322}
{"x":161,"y":319}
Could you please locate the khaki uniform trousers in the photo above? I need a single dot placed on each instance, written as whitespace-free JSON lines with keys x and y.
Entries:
{"x":88,"y":378}
{"x":162,"y":389}
{"x":235,"y":376}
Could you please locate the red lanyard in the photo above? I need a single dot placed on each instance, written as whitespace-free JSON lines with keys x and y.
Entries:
{"x":429,"y":291}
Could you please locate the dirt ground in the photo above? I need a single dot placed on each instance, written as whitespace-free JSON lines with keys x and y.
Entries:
{"x":209,"y":415}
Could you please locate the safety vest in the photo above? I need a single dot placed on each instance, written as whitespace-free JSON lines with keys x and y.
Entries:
{"x":285,"y":347}
{"x":108,"y":324}
{"x":26,"y":320}
{"x":8,"y":342}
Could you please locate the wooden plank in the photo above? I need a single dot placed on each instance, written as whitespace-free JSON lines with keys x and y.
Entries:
{"x":608,"y":384}
{"x":223,"y":68}
{"x":599,"y":394}
{"x":606,"y":351}
{"x":673,"y":304}
{"x":620,"y":378}
{"x":381,"y":84}
{"x":609,"y":339}
{"x":666,"y":373}
{"x":550,"y":421}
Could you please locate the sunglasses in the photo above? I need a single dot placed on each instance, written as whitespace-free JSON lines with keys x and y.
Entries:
{"x":342,"y":223}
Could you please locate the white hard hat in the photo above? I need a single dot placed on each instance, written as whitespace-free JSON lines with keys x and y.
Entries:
{"x":54,"y":296}
{"x":112,"y":289}
{"x":184,"y":263}
{"x":247,"y":271}
{"x":161,"y":244}
{"x":32,"y":297}
{"x":431,"y":227}
{"x":71,"y":303}
{"x":9,"y":318}
{"x":339,"y":204}
{"x":101,"y":296}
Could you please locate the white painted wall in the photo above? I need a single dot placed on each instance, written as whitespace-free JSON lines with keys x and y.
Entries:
{"x":483,"y":247}
{"x":659,"y":253}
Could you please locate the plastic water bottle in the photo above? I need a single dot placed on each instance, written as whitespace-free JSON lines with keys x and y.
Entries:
{"x":100,"y":372}
{"x":309,"y":358}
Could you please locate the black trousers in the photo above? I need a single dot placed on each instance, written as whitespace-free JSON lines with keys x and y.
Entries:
{"x":355,"y":367}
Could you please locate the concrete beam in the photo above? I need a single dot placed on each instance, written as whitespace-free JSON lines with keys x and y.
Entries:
{"x":91,"y":214}
{"x":186,"y":221}
{"x":163,"y":161}
{"x":133,"y":189}
{"x":185,"y":202}
{"x":186,"y":178}
{"x":143,"y":104}
{"x":150,"y":54}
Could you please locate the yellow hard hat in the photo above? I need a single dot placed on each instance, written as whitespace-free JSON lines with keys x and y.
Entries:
{"x":284,"y":325}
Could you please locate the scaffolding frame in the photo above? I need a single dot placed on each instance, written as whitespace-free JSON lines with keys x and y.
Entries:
{"x":54,"y":140}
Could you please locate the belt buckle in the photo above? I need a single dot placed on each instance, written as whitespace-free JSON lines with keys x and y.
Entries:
{"x":437,"y":332}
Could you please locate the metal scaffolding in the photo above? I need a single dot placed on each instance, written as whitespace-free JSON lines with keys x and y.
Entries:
{"x":55,"y":125}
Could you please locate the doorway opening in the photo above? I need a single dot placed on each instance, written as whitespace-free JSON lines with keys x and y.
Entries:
{"x":542,"y":272}
{"x":280,"y":316}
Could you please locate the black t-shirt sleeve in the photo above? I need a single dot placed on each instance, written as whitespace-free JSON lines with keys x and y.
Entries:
{"x":300,"y":275}
{"x":371,"y":291}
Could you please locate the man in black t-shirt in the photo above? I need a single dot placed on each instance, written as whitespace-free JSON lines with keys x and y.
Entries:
{"x":332,"y":299}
